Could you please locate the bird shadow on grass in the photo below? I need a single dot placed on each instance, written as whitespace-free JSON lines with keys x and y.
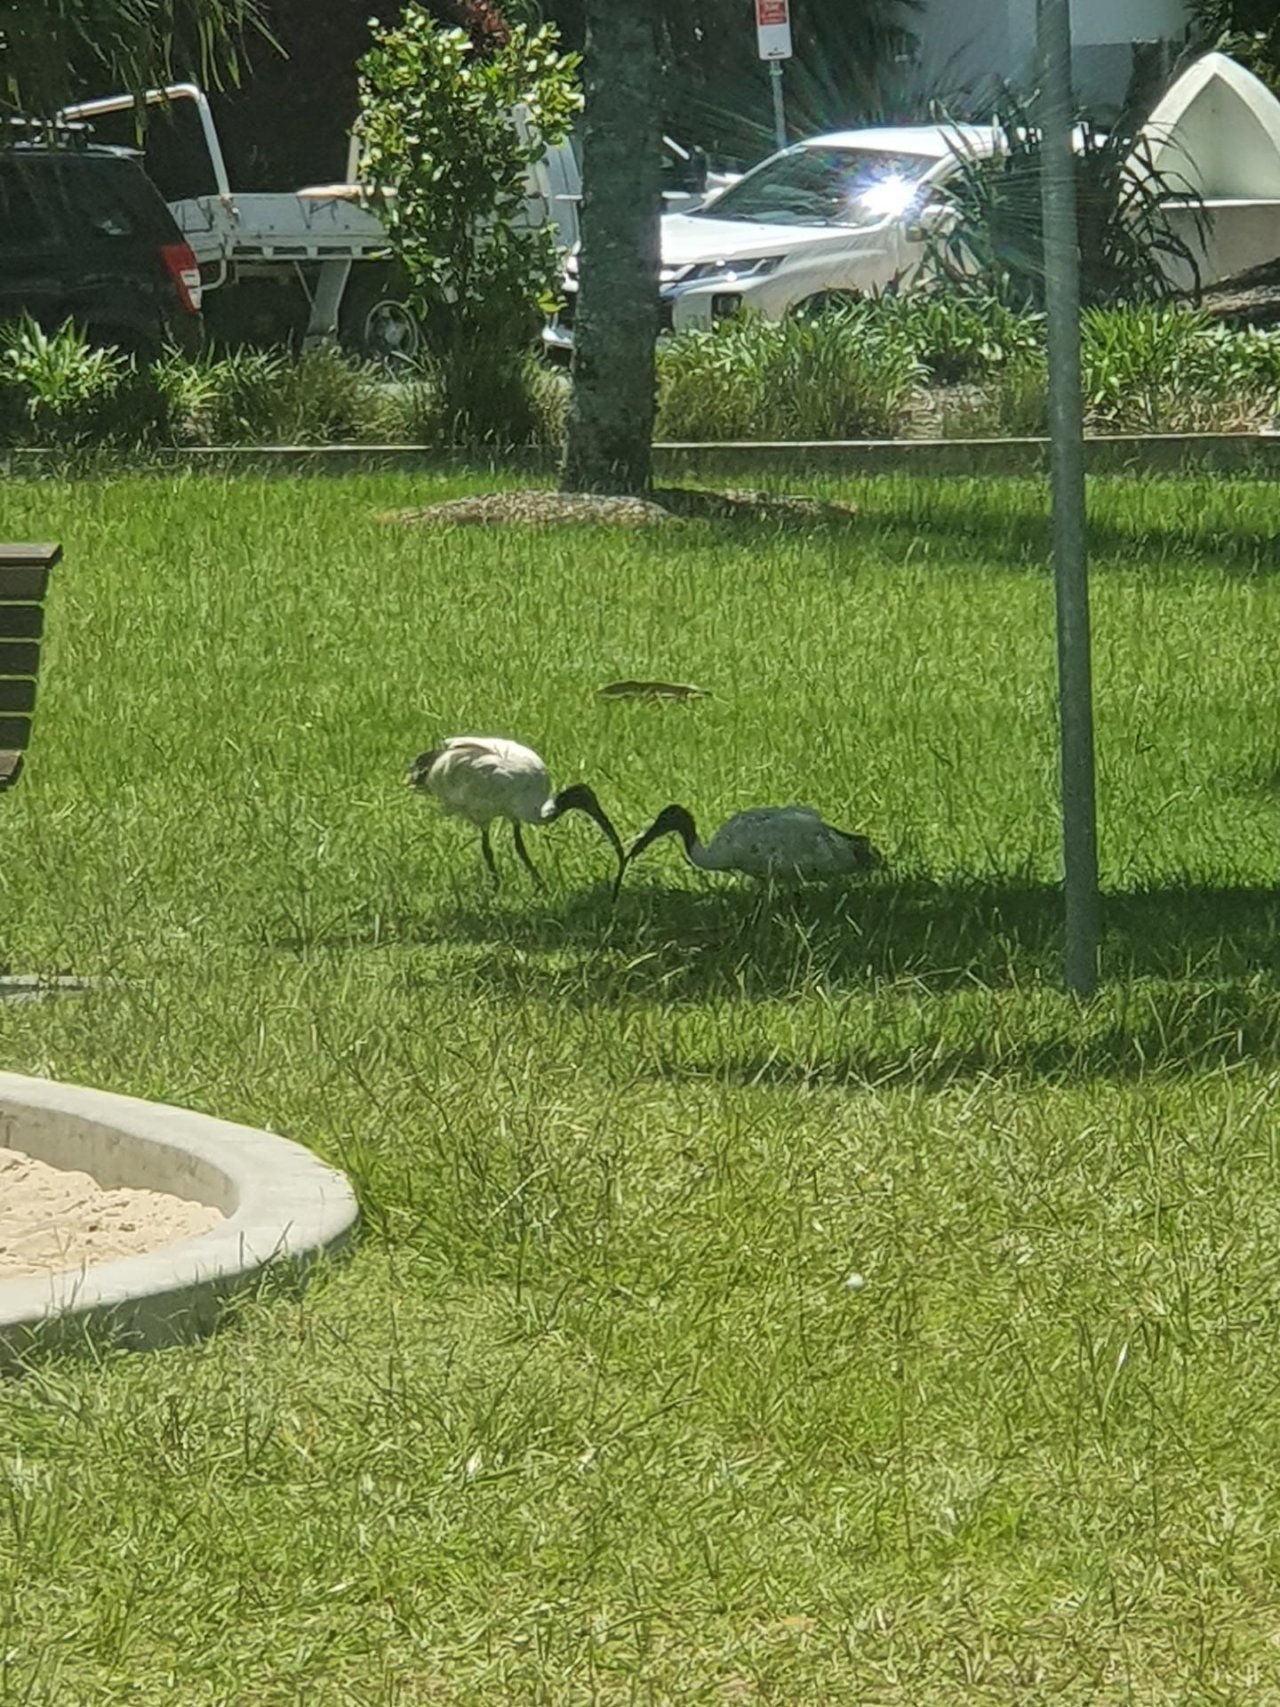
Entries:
{"x":736,"y":938}
{"x":955,"y":977}
{"x":934,"y":935}
{"x":954,"y":973}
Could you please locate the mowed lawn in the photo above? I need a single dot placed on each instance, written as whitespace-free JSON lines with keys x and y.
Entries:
{"x":807,"y":1305}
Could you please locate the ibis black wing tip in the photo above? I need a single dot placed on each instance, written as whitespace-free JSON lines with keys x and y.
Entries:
{"x":871,"y":857}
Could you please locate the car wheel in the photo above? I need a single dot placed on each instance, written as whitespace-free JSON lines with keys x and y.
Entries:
{"x":378,"y":324}
{"x":827,"y":302}
{"x":127,"y":340}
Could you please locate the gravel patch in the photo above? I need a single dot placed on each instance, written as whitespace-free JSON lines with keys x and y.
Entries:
{"x":667,"y":506}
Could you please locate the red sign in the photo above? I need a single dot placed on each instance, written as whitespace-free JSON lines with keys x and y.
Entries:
{"x":773,"y":29}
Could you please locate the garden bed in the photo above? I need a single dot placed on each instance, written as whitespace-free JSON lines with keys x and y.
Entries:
{"x":906,"y":368}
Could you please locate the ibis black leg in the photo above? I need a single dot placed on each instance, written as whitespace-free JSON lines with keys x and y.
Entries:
{"x":529,"y":866}
{"x":487,"y":850}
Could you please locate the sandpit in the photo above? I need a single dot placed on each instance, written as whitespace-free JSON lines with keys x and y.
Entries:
{"x":134,"y":1223}
{"x":56,"y":1219}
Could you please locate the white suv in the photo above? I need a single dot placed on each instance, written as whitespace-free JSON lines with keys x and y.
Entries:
{"x":838,"y":214}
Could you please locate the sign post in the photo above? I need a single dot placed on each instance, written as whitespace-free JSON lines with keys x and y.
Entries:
{"x":773,"y":42}
{"x":1066,"y":457}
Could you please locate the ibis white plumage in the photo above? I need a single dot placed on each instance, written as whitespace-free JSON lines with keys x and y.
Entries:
{"x":774,"y":843}
{"x":483,"y":777}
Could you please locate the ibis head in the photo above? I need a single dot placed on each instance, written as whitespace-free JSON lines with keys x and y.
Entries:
{"x":580,"y":798}
{"x":671,"y":821}
{"x":420,"y":769}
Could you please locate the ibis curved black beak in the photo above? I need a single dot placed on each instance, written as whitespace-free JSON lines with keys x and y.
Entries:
{"x":665,"y":824}
{"x":623,"y":863}
{"x":579,"y":798}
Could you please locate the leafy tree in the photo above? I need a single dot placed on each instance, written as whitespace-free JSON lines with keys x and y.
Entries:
{"x":51,"y":50}
{"x":287,"y":122}
{"x":436,"y":127}
{"x":1249,"y":30}
{"x":715,"y":91}
{"x":616,"y":321}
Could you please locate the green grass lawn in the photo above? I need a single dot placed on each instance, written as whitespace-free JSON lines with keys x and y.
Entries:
{"x":593,"y":1412}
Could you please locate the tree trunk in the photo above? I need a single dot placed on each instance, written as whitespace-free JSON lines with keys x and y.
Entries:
{"x":609,"y":441}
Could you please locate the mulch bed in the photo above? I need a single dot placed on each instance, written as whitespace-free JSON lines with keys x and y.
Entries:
{"x":1252,"y":299}
{"x":539,"y":507}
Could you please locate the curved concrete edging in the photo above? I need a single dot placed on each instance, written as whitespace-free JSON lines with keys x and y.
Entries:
{"x":281,"y":1204}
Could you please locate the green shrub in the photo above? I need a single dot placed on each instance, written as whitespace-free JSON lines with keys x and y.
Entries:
{"x":1149,"y":369}
{"x":329,"y":398}
{"x":58,"y":392}
{"x":993,"y":243}
{"x":235,"y":399}
{"x":851,"y":372}
{"x":436,"y":126}
{"x":57,"y":389}
{"x":547,"y":391}
{"x":844,"y":374}
{"x":265,"y":397}
{"x":959,"y":337}
{"x":491,"y":399}
{"x":1170,"y":370}
{"x":1021,"y":396}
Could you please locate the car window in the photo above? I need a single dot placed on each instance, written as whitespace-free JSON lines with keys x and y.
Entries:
{"x":108,"y":197}
{"x":824,"y":186}
{"x":20,"y":221}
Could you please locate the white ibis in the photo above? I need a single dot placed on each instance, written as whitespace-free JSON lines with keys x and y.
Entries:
{"x":483,"y":777}
{"x":769,"y":842}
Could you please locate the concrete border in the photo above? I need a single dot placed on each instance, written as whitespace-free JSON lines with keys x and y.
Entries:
{"x":283,"y":1210}
{"x":1119,"y":453}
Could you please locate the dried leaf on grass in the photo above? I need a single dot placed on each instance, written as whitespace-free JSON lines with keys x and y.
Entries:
{"x":652,"y":690}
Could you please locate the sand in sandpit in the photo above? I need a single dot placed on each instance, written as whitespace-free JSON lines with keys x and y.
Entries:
{"x":54,"y":1219}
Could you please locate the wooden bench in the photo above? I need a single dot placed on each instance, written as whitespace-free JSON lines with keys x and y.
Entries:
{"x":24,"y":579}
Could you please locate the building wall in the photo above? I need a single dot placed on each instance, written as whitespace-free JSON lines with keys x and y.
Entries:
{"x":973,"y":45}
{"x":1096,"y":22}
{"x":961,"y":43}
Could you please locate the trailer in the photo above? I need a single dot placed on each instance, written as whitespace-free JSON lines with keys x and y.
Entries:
{"x":319,"y":256}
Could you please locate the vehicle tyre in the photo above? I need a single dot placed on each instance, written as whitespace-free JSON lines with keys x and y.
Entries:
{"x":826,"y":302}
{"x":128,"y":341}
{"x":376,"y":321}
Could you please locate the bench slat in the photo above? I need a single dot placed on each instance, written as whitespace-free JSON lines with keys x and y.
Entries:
{"x":15,"y":732}
{"x":19,"y":657}
{"x":33,"y":556}
{"x":17,"y":694}
{"x":22,"y":581}
{"x":21,"y":622}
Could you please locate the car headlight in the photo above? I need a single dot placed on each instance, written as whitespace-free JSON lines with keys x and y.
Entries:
{"x":754,"y":268}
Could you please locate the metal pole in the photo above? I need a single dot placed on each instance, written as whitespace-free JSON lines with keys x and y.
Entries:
{"x":779,"y":112}
{"x":1070,"y":551}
